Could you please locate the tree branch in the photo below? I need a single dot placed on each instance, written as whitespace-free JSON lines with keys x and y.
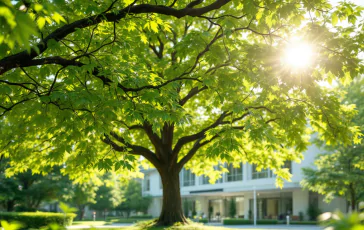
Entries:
{"x":194,"y":91}
{"x":136,"y":149}
{"x":198,"y":144}
{"x":18,"y":59}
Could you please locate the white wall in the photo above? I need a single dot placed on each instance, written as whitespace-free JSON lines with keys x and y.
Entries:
{"x":300,"y":202}
{"x":336,"y":204}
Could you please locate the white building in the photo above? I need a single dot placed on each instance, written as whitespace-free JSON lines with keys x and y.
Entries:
{"x":239,"y":184}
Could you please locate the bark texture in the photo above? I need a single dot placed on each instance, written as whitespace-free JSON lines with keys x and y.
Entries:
{"x":172,"y":204}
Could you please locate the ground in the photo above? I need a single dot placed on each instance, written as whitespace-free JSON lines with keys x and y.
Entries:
{"x":194,"y":226}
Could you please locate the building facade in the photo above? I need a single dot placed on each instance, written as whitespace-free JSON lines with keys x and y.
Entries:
{"x":213,"y":201}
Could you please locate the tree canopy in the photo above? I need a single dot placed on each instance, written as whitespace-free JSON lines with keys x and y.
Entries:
{"x":340,"y":172}
{"x":180,"y":83}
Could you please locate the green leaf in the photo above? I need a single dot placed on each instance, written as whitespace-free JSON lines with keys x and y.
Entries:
{"x":334,"y":19}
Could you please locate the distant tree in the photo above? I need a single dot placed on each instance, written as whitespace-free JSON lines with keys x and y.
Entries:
{"x":133,"y":199}
{"x":108,"y":195}
{"x":341,"y":171}
{"x":81,"y":195}
{"x":27,"y":190}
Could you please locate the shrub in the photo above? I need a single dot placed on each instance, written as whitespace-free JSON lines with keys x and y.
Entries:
{"x":236,"y":221}
{"x":267,"y":222}
{"x":303,"y":222}
{"x":244,"y":221}
{"x":141,"y":217}
{"x":301,"y":216}
{"x":232,"y":211}
{"x":202,"y":220}
{"x":38,"y":219}
{"x":313,"y":212}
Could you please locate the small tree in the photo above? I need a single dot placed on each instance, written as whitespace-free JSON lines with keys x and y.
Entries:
{"x":133,"y":199}
{"x":81,"y":195}
{"x":109,"y":195}
{"x":232,"y":210}
{"x":28,"y":190}
{"x":340,"y":172}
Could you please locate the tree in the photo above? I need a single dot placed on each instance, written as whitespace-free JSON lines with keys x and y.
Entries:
{"x":133,"y":199}
{"x":340,"y":172}
{"x":27,"y":190}
{"x":108,"y":195}
{"x":175,"y":83}
{"x":81,"y":195}
{"x":232,"y":208}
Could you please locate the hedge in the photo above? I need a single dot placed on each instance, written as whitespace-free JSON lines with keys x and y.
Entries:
{"x":236,"y":222}
{"x":267,"y":222}
{"x":246,"y":222}
{"x":141,"y":217}
{"x":311,"y":222}
{"x":202,"y":220}
{"x":38,"y":219}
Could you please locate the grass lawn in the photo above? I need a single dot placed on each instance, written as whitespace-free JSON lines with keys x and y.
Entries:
{"x":92,"y":223}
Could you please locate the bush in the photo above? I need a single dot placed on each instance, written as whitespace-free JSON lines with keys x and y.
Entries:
{"x":301,"y":216}
{"x":202,"y":220}
{"x":141,"y":217}
{"x":303,"y":222}
{"x":236,"y":221}
{"x":244,"y":222}
{"x":267,"y":222}
{"x":313,"y":212}
{"x":38,"y":219}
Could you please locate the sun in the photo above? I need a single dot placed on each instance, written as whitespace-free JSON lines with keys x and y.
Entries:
{"x":298,"y":55}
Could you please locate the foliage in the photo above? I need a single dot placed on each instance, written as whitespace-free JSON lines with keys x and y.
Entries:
{"x":339,"y":221}
{"x":301,"y":216}
{"x":82,"y":194}
{"x":108,"y":196}
{"x":172,"y":84}
{"x":303,"y":222}
{"x":10,"y":226}
{"x":340,"y":172}
{"x":142,"y":217}
{"x":134,"y":201}
{"x":248,"y":222}
{"x":67,"y":209}
{"x":236,"y":222}
{"x":202,"y":220}
{"x":38,"y":219}
{"x":313,"y":212}
{"x":28,"y":190}
{"x":232,"y":208}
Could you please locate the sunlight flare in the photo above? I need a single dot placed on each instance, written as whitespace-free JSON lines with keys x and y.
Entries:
{"x":298,"y":55}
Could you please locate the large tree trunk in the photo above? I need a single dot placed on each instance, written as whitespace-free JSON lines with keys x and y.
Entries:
{"x":172,"y":205}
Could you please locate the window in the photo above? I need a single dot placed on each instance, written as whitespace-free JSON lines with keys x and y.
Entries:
{"x":234,"y":174}
{"x":288,"y":164}
{"x":160,"y":183}
{"x":188,"y":178}
{"x":146,"y":186}
{"x":259,"y":175}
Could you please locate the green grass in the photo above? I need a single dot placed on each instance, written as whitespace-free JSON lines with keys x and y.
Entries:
{"x":92,"y":223}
